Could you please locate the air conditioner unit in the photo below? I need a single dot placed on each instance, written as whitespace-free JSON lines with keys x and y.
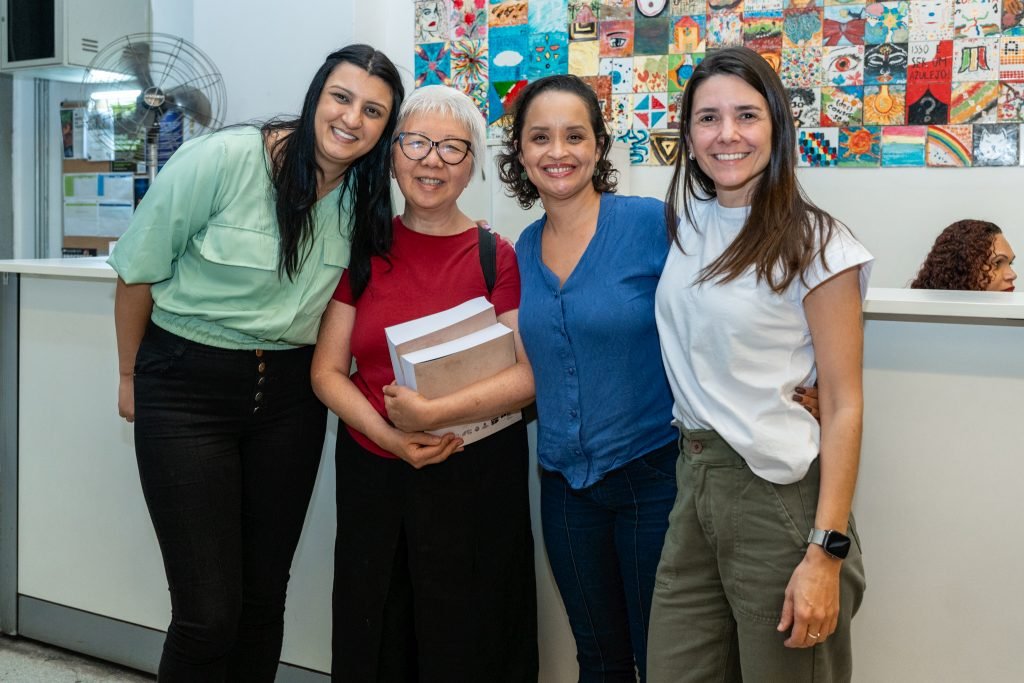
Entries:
{"x":57,"y":39}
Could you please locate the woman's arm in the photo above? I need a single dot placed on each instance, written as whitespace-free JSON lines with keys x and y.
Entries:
{"x":508,"y":390}
{"x":332,"y":361}
{"x":833,"y":311}
{"x":133,"y":304}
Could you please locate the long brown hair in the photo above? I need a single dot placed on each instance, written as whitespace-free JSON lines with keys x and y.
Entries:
{"x":784,"y":231}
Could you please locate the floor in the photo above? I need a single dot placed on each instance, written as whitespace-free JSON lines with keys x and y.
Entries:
{"x":26,"y":661}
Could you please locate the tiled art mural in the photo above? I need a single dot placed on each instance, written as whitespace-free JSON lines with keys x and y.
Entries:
{"x":893,"y":83}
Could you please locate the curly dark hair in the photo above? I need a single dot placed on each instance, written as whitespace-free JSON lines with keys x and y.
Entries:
{"x":959,"y":259}
{"x":511,"y":170}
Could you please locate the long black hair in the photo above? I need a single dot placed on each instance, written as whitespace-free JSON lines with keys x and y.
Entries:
{"x":295,"y":173}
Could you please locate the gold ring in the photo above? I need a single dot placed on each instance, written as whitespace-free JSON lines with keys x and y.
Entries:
{"x":813,"y":635}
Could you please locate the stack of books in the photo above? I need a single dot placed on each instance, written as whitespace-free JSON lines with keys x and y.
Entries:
{"x":439,"y":354}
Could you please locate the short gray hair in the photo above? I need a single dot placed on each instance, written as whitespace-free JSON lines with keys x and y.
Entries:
{"x":447,"y":101}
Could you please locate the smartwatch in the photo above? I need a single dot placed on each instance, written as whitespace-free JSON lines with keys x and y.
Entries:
{"x":836,"y":544}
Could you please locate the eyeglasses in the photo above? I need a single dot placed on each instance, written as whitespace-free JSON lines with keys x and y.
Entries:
{"x":416,"y":147}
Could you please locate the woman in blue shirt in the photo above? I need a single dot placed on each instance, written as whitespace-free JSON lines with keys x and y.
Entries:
{"x":606,"y":445}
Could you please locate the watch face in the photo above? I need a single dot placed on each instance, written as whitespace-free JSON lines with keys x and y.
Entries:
{"x":836,"y":544}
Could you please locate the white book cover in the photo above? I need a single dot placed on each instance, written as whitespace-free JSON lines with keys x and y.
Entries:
{"x":413,"y":335}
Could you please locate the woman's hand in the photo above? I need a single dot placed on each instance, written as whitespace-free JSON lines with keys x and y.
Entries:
{"x":126,"y":397}
{"x":811,"y":607}
{"x":808,"y":398}
{"x":420,"y":449}
{"x":407,"y":409}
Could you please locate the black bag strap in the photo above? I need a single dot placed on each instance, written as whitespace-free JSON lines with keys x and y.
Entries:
{"x":488,"y":257}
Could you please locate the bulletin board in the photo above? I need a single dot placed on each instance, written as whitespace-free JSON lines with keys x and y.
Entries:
{"x":900,"y":83}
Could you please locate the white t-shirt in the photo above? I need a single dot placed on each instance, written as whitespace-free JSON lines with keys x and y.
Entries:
{"x":735,"y":352}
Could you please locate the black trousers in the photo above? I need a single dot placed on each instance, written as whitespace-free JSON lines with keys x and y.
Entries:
{"x":433,"y":568}
{"x":228,"y":445}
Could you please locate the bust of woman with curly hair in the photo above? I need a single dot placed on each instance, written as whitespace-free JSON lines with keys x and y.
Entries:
{"x":968,"y":255}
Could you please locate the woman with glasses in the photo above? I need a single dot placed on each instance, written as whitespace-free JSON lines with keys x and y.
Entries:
{"x":434,"y":553}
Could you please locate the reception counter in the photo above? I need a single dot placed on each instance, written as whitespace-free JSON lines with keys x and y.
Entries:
{"x":938,"y":491}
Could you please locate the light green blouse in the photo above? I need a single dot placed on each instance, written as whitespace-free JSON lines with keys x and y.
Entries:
{"x":206,"y":237}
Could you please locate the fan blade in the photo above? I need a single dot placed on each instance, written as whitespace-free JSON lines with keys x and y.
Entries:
{"x":140,"y":119}
{"x":193,"y":102}
{"x":136,"y":58}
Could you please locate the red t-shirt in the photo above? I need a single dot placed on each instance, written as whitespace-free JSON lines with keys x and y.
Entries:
{"x":427,"y":274}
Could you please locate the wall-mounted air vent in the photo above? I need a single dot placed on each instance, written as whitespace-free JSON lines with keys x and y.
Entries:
{"x":90,"y":45}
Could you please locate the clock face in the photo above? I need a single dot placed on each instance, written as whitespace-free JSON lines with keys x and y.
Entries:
{"x":650,"y":8}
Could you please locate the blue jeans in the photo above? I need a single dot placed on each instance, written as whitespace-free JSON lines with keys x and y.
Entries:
{"x":604,"y":543}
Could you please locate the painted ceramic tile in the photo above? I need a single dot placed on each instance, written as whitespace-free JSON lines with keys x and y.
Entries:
{"x":651,"y":8}
{"x":468,"y":63}
{"x":478,"y":92}
{"x":651,"y":36}
{"x":805,"y":103}
{"x":637,"y":139}
{"x":996,"y":144}
{"x":976,"y":59}
{"x":615,"y":10}
{"x":664,"y":146}
{"x":860,"y":146}
{"x":928,"y":103}
{"x":843,"y":65}
{"x":688,"y":34}
{"x":650,"y":110}
{"x":583,"y":11}
{"x":680,"y":8}
{"x":974,"y":102}
{"x":548,"y":16}
{"x":1013,"y":18}
{"x":885,"y":63}
{"x":468,"y":20}
{"x":622,"y":114}
{"x":724,"y":6}
{"x":802,"y":4}
{"x":650,"y":74}
{"x":949,"y":145}
{"x":930,"y":62}
{"x":887,"y":22}
{"x":620,"y":71}
{"x":774,"y":59}
{"x":834,"y":3}
{"x":583,"y":32}
{"x":1011,"y":58}
{"x":801,"y":68}
{"x":843,"y":25}
{"x":509,"y":50}
{"x":432,"y":64}
{"x":616,"y":38}
{"x":975,"y":18}
{"x":1011,"y":102}
{"x":512,"y":13}
{"x":431,"y":21}
{"x":602,"y":87}
{"x":756,"y":6}
{"x":842,"y":106}
{"x":931,"y":20}
{"x":500,"y":96}
{"x":549,"y":54}
{"x":584,"y":59}
{"x":674,"y":105}
{"x":885,"y":105}
{"x":762,"y":30}
{"x":818,"y":146}
{"x":680,"y":68}
{"x":801,"y":27}
{"x":725,"y":29}
{"x":903,"y":145}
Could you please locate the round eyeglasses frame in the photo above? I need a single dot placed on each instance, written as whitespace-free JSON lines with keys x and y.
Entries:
{"x":448,"y":155}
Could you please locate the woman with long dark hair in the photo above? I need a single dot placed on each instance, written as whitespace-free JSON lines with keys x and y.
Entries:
{"x":761,"y":570}
{"x":224,"y":273}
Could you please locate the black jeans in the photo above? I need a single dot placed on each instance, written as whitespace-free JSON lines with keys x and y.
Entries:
{"x":228,"y":445}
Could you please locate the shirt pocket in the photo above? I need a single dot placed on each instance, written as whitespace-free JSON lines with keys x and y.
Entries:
{"x":233,"y":246}
{"x":337,"y":251}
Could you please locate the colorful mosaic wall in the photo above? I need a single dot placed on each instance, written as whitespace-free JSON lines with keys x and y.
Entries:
{"x":894,"y":83}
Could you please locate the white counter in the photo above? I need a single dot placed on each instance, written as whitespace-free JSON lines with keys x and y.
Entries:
{"x":939,"y":486}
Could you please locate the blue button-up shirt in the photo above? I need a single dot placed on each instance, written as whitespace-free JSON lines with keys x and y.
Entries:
{"x":602,"y":396}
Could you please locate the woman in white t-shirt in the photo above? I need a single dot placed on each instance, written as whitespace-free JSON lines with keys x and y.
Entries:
{"x":761,"y":570}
